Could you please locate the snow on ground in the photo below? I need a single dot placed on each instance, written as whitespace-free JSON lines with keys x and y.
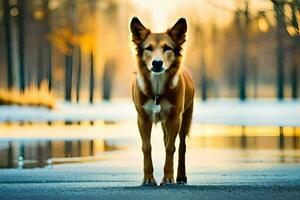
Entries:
{"x":214,"y":111}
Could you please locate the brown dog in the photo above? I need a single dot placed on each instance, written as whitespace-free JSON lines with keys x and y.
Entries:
{"x":162,"y":92}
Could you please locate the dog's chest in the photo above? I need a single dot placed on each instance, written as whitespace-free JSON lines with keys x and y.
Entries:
{"x":158,"y":82}
{"x":157,"y":112}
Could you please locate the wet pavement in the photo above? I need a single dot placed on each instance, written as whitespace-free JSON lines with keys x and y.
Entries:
{"x":218,"y":167}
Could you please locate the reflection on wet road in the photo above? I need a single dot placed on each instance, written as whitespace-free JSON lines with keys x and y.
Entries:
{"x":221,"y":147}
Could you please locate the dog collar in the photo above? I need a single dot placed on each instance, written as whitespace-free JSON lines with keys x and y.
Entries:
{"x":157,"y":99}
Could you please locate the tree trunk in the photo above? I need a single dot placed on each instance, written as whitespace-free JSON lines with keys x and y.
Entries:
{"x":203,"y":74}
{"x":49,"y":52}
{"x":278,"y":7}
{"x":243,"y":29}
{"x":294,"y":79}
{"x":91,"y":97}
{"x":21,"y":34}
{"x":78,"y":85}
{"x":295,"y":50}
{"x":255,"y":77}
{"x":108,"y":79}
{"x":203,"y":78}
{"x":68,"y":77}
{"x":295,"y":66}
{"x":48,"y":45}
{"x":7,"y":29}
{"x":40,"y":63}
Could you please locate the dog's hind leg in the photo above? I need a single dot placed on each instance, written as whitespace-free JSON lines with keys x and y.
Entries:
{"x":145,"y":126}
{"x":163,"y":125}
{"x":184,"y":130}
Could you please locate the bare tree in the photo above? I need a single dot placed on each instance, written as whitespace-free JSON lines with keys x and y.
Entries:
{"x":92,"y":78}
{"x":48,"y":46}
{"x":107,"y":78}
{"x":79,"y":71}
{"x":21,"y":35}
{"x":68,"y":76}
{"x":295,"y":7}
{"x":278,"y":6}
{"x":69,"y":56}
{"x":203,"y":74}
{"x":7,"y":29}
{"x":242,"y":23}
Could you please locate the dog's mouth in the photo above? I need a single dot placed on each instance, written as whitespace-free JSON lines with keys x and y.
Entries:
{"x":159,"y":69}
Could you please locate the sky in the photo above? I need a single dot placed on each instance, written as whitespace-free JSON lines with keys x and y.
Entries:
{"x":220,"y":11}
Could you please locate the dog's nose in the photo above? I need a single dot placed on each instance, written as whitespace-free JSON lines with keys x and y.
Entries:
{"x":157,"y":66}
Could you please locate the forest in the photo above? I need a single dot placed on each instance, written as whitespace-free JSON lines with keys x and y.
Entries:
{"x":81,"y":50}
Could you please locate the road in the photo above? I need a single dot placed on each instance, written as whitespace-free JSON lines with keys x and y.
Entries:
{"x":120,"y":179}
{"x":213,"y":173}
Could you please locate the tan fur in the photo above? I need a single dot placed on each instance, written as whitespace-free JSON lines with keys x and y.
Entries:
{"x":176,"y":90}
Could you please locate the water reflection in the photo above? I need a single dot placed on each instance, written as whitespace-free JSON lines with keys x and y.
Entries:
{"x":24,"y":147}
{"x":262,"y":149}
{"x":30,"y":154}
{"x":247,"y":142}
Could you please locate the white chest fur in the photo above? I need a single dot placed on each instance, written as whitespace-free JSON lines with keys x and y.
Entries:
{"x":157,"y":112}
{"x":158,"y":82}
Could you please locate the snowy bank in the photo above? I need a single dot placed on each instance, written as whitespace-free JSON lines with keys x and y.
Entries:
{"x":215,"y":111}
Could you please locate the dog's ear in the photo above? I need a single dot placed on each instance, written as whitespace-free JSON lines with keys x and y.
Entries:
{"x":138,"y":30}
{"x":178,"y":31}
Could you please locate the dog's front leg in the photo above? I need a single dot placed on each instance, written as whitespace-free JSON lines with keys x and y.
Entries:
{"x":145,"y":126}
{"x":172,"y":127}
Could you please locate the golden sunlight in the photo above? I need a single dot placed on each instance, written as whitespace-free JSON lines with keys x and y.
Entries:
{"x":263,"y":25}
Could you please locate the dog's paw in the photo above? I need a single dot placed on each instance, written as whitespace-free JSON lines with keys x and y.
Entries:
{"x":167,"y":181}
{"x":181,"y":180}
{"x":149,"y":182}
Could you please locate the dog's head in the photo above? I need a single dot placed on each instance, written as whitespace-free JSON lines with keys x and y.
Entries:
{"x":158,"y":52}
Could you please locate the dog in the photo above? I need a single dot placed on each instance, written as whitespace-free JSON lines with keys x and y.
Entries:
{"x":162,"y":91}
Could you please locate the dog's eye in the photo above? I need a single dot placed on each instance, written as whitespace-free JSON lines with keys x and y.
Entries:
{"x":149,"y":48}
{"x":167,"y":48}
